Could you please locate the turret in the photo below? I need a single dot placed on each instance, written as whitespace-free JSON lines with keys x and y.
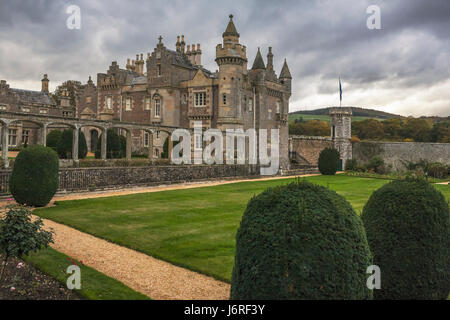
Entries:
{"x":285,"y":76}
{"x":231,"y":57}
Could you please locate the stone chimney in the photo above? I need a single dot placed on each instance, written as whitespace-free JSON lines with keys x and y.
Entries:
{"x":3,"y":87}
{"x":182,"y":44}
{"x":198,"y":56}
{"x":45,"y":82}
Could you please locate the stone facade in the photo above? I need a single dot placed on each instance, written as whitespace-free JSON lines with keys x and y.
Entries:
{"x":172,"y":88}
{"x":169,"y":88}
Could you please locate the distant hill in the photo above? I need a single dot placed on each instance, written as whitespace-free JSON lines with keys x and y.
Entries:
{"x":357,"y":112}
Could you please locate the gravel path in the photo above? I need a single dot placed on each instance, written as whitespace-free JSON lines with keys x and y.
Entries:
{"x":155,"y":278}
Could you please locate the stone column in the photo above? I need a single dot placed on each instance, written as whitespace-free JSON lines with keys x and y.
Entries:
{"x":75,"y":144}
{"x":5,"y":135}
{"x":150,"y":145}
{"x":44,"y":134}
{"x":128,"y":147}
{"x":170,"y":144}
{"x":103,"y":146}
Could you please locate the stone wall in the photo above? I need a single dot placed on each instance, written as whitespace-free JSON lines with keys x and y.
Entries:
{"x":398,"y":153}
{"x":306,"y":149}
{"x":83,"y":179}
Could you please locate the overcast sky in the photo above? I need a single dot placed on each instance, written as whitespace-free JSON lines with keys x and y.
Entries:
{"x":403,"y":68}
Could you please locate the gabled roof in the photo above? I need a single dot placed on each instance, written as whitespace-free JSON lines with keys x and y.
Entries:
{"x":259,"y":62}
{"x":285,"y":71}
{"x":231,"y":29}
{"x":33,"y":97}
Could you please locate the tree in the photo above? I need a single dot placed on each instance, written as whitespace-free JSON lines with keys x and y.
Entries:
{"x":300,"y":241}
{"x":34,"y":179}
{"x":19,"y":235}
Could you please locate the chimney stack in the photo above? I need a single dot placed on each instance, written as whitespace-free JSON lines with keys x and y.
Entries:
{"x":182,"y":44}
{"x":45,"y":82}
{"x":198,"y":56}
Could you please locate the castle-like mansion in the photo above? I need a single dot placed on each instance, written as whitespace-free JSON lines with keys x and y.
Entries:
{"x":170,"y":88}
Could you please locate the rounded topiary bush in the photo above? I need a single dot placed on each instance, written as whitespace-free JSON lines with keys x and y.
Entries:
{"x":407,"y":225}
{"x":300,"y":241}
{"x":53,"y":139}
{"x":34,"y":179}
{"x":329,"y":161}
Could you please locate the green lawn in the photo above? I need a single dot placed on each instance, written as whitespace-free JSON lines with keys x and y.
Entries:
{"x":323,"y":117}
{"x":94,"y":285}
{"x":194,"y":228}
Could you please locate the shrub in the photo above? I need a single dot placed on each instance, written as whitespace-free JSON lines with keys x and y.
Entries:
{"x":113,"y":148}
{"x":53,"y":139}
{"x":407,"y":225}
{"x":329,"y":161}
{"x":377,"y":164}
{"x":65,"y":144}
{"x":351,"y":165}
{"x":300,"y":241}
{"x":437,"y":170}
{"x":19,"y":235}
{"x":34,"y":179}
{"x":82,"y":145}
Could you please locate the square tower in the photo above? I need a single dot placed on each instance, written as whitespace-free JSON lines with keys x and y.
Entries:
{"x":341,"y":132}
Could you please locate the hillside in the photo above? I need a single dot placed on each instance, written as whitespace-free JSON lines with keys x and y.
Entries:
{"x":357,"y":113}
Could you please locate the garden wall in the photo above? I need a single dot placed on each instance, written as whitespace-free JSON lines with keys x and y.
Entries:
{"x":306,"y":149}
{"x":83,"y":179}
{"x":397,"y":153}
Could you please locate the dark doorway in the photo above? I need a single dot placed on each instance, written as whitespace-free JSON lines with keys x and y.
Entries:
{"x":94,"y":140}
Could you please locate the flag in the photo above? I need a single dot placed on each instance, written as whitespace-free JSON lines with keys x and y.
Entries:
{"x":340,"y":91}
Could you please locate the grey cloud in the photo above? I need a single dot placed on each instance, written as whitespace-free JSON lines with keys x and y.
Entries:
{"x":320,"y":39}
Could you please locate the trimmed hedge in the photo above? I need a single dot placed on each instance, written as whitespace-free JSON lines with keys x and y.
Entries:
{"x":329,"y":161}
{"x":53,"y":139}
{"x":114,"y":147}
{"x":34,"y":179}
{"x":300,"y":241}
{"x":64,"y":146}
{"x":408,"y":229}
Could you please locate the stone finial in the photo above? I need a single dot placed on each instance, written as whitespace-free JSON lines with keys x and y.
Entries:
{"x":198,"y":46}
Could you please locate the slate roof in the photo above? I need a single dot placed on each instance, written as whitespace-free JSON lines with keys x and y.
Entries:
{"x":231,"y":29}
{"x":259,"y":62}
{"x":285,"y":73}
{"x":33,"y":97}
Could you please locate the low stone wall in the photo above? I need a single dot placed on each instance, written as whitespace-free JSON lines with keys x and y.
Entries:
{"x":83,"y":179}
{"x":306,"y":149}
{"x":397,"y":154}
